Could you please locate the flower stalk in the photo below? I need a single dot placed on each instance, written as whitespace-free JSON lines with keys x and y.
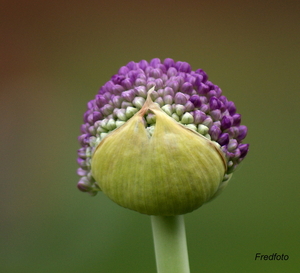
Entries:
{"x":170,"y":244}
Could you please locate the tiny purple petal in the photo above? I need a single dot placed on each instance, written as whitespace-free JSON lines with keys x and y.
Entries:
{"x":169,"y":91}
{"x":86,"y":115}
{"x":173,"y":84}
{"x":183,"y":67}
{"x":97,"y":116}
{"x":143,"y":64}
{"x":162,"y":68}
{"x":210,"y":85}
{"x":168,"y":62}
{"x":180,"y":98}
{"x":208,"y":122}
{"x":164,"y":77}
{"x":100,"y":100}
{"x":123,"y":70}
{"x":168,"y":99}
{"x":222,"y":107}
{"x":128,"y":95}
{"x":172,"y":71}
{"x":214,"y":132}
{"x":81,"y":162}
{"x":195,"y":99}
{"x":82,"y":152}
{"x":126,"y":104}
{"x":236,"y":119}
{"x":154,"y":95}
{"x":91,"y":104}
{"x":108,"y":86}
{"x":211,"y":93}
{"x":150,"y":84}
{"x":92,"y":130}
{"x":224,"y":100}
{"x":117,"y":101}
{"x":204,"y":108}
{"x":90,"y":119}
{"x":232,"y":131}
{"x":107,"y":109}
{"x":141,"y":74}
{"x":187,"y":88}
{"x":140,"y":82}
{"x":232,"y":145}
{"x":202,"y":73}
{"x":160,"y":101}
{"x":120,"y":114}
{"x":243,"y":149}
{"x":141,"y":91}
{"x":155,"y":62}
{"x":242,"y":132}
{"x":237,"y":154}
{"x":155,"y":73}
{"x":226,"y":122}
{"x":117,"y":79}
{"x":223,"y":139}
{"x":126,"y":83}
{"x":229,"y":155}
{"x":160,"y":92}
{"x":148,"y":71}
{"x":198,"y":80}
{"x":81,"y":172}
{"x":218,"y":91}
{"x":203,"y":89}
{"x":215,"y":114}
{"x":107,"y":95}
{"x":180,"y":79}
{"x":231,"y":108}
{"x":203,"y":100}
{"x":83,"y":184}
{"x":189,"y":106}
{"x":132,"y":75}
{"x":199,"y":117}
{"x":214,"y":103}
{"x":84,"y":128}
{"x":190,"y":79}
{"x":117,"y":89}
{"x":159,"y":83}
{"x":132,"y":65}
{"x":217,"y":123}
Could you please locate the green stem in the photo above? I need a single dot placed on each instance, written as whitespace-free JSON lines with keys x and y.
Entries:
{"x":170,"y":244}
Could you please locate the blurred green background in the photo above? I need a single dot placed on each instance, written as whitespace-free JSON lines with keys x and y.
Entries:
{"x":54,"y":56}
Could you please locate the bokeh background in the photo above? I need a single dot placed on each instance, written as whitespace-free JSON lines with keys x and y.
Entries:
{"x":54,"y":56}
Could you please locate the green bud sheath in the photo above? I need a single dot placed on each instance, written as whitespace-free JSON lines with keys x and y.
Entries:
{"x":171,"y":171}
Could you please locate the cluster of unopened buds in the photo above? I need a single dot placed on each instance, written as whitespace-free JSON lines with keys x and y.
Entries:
{"x":160,"y":139}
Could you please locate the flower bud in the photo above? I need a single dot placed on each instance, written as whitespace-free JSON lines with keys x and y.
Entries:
{"x":160,"y":139}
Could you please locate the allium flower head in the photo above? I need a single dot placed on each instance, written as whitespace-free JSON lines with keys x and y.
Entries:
{"x":176,"y":109}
